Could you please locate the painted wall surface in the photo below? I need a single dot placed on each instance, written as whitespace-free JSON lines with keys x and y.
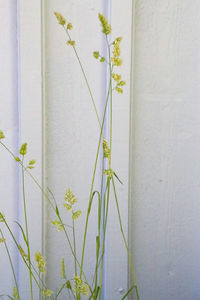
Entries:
{"x":165,"y":124}
{"x":165,"y":198}
{"x":20,"y":120}
{"x":9,"y":124}
{"x":72,"y":133}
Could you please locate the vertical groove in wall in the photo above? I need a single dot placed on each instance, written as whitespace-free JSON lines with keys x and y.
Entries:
{"x":18,"y":136}
{"x":131,"y":146}
{"x":43,"y":118}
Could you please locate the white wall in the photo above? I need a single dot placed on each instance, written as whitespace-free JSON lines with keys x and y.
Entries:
{"x":165,"y":199}
{"x":164,"y":204}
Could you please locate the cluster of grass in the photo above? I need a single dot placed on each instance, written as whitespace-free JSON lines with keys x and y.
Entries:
{"x":78,"y":286}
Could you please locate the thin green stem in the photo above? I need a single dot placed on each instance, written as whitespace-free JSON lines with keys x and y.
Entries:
{"x":26,"y":226}
{"x":125,"y":242}
{"x":85,"y":77}
{"x":52,"y":206}
{"x":60,"y":290}
{"x":108,"y":192}
{"x":40,"y":294}
{"x":110,"y":71}
{"x":10,"y":231}
{"x":11,"y":263}
{"x":104,"y":234}
{"x":72,"y":251}
{"x":104,"y":223}
{"x":74,"y":238}
{"x":93,"y":177}
{"x":32,"y":177}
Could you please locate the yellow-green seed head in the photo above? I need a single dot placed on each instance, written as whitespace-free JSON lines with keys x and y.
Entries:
{"x":2,"y":240}
{"x":76,"y":214}
{"x":68,"y":206}
{"x":116,"y":77}
{"x":2,"y":136}
{"x":119,"y":90}
{"x":106,"y":150}
{"x":47,"y":293}
{"x":84,"y":290}
{"x":22,"y":252}
{"x":80,"y":287}
{"x":96,"y":54}
{"x":122,"y":83}
{"x":40,"y":262}
{"x":108,"y":172}
{"x":69,"y":26}
{"x":32,"y":162}
{"x":70,"y":198}
{"x":58,"y":225}
{"x":71,"y":43}
{"x":116,"y":50}
{"x":118,"y":39}
{"x":106,"y":27}
{"x":60,"y":18}
{"x":63,"y":272}
{"x":2,"y":218}
{"x":116,"y":61}
{"x":23,"y":149}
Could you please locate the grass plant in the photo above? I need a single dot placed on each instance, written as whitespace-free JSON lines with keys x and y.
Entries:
{"x":77,"y":287}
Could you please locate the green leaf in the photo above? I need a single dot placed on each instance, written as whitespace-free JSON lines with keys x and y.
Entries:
{"x":68,"y":285}
{"x":90,"y":204}
{"x":63,"y":270}
{"x":57,"y":211}
{"x":97,"y":245}
{"x":23,"y":233}
{"x":17,"y":158}
{"x":133,"y":287}
{"x":98,"y":289}
{"x":32,"y":162}
{"x":117,"y":177}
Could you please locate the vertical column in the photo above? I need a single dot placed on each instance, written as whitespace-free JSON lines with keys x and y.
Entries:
{"x":116,"y":275}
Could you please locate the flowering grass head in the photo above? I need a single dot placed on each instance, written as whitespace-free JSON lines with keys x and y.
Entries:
{"x":2,"y":136}
{"x":60,"y":18}
{"x":23,"y":149}
{"x":80,"y":287}
{"x":106,"y":27}
{"x":41,"y":265}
